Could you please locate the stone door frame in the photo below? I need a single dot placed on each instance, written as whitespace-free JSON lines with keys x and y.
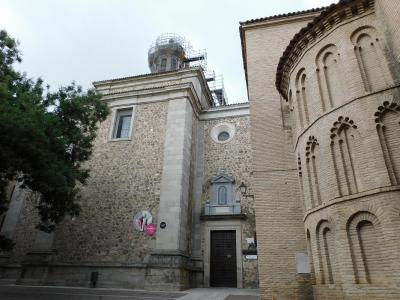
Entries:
{"x":235,"y":225}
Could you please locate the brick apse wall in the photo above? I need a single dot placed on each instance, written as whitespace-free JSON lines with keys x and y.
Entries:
{"x":339,"y":77}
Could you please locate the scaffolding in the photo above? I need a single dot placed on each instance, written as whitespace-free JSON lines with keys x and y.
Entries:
{"x":216,"y":86}
{"x":171,"y":43}
{"x":177,"y":53}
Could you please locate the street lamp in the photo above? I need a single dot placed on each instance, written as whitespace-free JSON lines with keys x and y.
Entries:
{"x":243,"y":190}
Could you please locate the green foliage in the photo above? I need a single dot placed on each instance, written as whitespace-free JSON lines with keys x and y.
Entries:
{"x":45,"y":137}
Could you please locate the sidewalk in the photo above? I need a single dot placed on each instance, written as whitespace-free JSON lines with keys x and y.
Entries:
{"x":221,"y":294}
{"x":9,"y":291}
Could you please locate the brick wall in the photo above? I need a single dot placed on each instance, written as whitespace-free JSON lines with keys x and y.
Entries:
{"x":388,"y":13}
{"x":348,"y":152}
{"x":277,"y":197}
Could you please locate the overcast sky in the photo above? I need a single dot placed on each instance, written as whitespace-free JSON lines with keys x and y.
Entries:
{"x":91,"y":40}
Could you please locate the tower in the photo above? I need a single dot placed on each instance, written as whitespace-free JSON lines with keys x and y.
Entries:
{"x":171,"y":52}
{"x":167,"y":53}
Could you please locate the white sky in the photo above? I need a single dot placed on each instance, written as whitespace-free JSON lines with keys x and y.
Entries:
{"x":91,"y":40}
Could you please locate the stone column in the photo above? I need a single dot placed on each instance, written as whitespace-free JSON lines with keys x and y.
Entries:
{"x":198,"y":192}
{"x":175,"y":178}
{"x":196,"y":257}
{"x":170,"y":257}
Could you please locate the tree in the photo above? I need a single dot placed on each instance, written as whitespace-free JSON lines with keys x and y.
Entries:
{"x":45,"y":137}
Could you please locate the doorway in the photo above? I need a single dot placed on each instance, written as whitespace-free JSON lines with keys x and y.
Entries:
{"x":223,"y":264}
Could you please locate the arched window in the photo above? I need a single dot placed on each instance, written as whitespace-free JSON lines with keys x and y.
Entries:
{"x":370,"y":59}
{"x":302,"y":97}
{"x":327,"y":247}
{"x":222,"y":189}
{"x":222,"y":195}
{"x":310,"y":255}
{"x":163,"y":66}
{"x":366,"y":243}
{"x":174,"y":63}
{"x":329,"y":77}
{"x":306,"y":204}
{"x":343,"y":151}
{"x":312,"y":151}
{"x":326,"y":252}
{"x":388,"y":125}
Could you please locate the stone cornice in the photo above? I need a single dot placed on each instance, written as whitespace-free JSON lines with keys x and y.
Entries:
{"x":143,"y":76}
{"x":153,"y":81}
{"x":186,"y":87}
{"x":228,"y":111}
{"x":322,"y":24}
{"x":138,"y":97}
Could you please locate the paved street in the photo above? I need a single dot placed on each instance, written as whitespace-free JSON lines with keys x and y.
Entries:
{"x":61,"y":293}
{"x":12,"y":292}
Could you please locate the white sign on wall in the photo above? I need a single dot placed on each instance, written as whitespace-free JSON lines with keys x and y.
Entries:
{"x":142,"y":219}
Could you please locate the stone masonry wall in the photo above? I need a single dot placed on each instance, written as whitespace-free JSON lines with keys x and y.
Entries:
{"x":235,"y":158}
{"x":25,"y":230}
{"x":125,"y":179}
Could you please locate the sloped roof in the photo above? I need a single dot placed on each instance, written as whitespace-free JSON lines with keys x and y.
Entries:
{"x":290,"y":14}
{"x":269,"y":18}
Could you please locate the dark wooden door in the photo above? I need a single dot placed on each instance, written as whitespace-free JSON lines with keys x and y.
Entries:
{"x":223,"y":259}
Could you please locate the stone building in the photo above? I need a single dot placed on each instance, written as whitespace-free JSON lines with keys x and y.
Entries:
{"x":325,"y":116}
{"x":171,"y":155}
{"x":317,"y":147}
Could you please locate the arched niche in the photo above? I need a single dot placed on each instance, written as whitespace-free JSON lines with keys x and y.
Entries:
{"x":329,"y":74}
{"x":302,"y":97}
{"x":371,"y":61}
{"x":365,"y":238}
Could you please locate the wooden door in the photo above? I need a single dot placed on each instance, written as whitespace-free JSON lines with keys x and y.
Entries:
{"x":223,"y":264}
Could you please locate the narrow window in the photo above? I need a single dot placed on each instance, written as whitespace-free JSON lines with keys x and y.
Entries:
{"x":163,"y":64}
{"x":123,"y":124}
{"x":222,"y":195}
{"x":174,"y":63}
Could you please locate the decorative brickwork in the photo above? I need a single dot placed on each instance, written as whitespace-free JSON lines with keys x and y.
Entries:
{"x":389,"y":114}
{"x":335,"y":73}
{"x":342,"y":148}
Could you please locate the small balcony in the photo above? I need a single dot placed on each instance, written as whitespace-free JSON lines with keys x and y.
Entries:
{"x":227,"y":209}
{"x":222,"y":212}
